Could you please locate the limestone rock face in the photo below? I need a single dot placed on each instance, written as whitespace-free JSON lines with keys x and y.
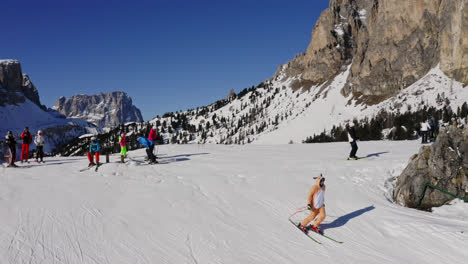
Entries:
{"x":389,"y":44}
{"x":103,"y":110}
{"x":16,"y":86}
{"x":444,"y":165}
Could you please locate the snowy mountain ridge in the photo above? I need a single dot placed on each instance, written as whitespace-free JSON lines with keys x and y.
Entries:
{"x":285,"y":110}
{"x":278,"y":112}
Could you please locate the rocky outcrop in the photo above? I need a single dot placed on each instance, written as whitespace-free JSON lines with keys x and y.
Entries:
{"x":103,"y":110}
{"x":15,"y":86}
{"x":443,"y":165}
{"x":389,"y":45}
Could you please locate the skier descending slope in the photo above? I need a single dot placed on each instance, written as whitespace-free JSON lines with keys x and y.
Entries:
{"x":123,"y":147}
{"x":39,"y":141}
{"x":352,"y":140}
{"x":94,"y":148}
{"x":316,"y":205}
{"x":27,"y":139}
{"x":10,"y":141}
{"x":149,"y":148}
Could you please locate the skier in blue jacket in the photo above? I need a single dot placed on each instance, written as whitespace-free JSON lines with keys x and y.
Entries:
{"x":94,"y":148}
{"x":149,"y":148}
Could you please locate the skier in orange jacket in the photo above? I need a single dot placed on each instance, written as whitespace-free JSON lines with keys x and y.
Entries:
{"x":316,"y":205}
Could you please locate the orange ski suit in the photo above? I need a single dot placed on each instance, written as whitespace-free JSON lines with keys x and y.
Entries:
{"x":315,"y":211}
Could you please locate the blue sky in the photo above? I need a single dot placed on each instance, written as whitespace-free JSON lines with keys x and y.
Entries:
{"x":167,"y":55}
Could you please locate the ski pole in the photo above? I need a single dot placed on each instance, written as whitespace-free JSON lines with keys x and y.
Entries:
{"x":302,"y":209}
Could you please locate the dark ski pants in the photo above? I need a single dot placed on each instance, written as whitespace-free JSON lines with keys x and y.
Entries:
{"x":424,"y":136}
{"x":40,"y":153}
{"x":354,"y":149}
{"x":149,"y":152}
{"x":25,"y":152}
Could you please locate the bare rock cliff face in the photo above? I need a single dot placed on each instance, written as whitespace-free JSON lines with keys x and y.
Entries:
{"x":388,"y":43}
{"x":15,"y":86}
{"x":103,"y":110}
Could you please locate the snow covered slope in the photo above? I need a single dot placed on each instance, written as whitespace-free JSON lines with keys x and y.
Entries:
{"x":223,"y":204}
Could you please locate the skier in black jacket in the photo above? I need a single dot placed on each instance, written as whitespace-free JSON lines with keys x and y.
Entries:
{"x":11,"y":143}
{"x":352,"y":140}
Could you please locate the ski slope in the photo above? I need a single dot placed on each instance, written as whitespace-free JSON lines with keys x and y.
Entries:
{"x":223,"y":204}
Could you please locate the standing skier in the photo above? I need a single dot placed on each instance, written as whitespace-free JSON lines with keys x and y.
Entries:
{"x":149,"y":148}
{"x":352,"y":140}
{"x":152,"y":136}
{"x":27,"y":139}
{"x":10,"y":141}
{"x":94,"y":148}
{"x":432,"y":127}
{"x":316,"y":205}
{"x":123,"y":147}
{"x":39,"y":141}
{"x":424,"y":131}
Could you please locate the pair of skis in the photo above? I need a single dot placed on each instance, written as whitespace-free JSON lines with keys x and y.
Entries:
{"x":308,"y":234}
{"x":96,"y":167}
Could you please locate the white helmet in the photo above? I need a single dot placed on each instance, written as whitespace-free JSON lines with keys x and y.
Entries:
{"x":39,"y":132}
{"x":93,"y":138}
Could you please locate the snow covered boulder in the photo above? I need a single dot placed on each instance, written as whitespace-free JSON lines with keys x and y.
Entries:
{"x":443,"y":165}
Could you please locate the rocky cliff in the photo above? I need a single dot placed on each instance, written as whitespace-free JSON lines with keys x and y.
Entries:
{"x":15,"y":86}
{"x":443,"y":165}
{"x":389,"y":44}
{"x":103,"y":110}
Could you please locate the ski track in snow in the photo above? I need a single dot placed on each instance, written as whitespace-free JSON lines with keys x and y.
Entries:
{"x":223,"y":204}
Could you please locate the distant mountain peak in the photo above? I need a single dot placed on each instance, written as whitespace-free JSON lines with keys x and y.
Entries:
{"x":103,"y":109}
{"x":13,"y":80}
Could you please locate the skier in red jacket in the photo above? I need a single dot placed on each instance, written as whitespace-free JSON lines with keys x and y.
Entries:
{"x":27,"y":139}
{"x":152,"y":136}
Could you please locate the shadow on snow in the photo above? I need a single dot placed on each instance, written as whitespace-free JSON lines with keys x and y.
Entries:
{"x":376,"y":154}
{"x":342,"y":220}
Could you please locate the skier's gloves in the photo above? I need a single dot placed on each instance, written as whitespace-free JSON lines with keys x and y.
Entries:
{"x":309,"y":207}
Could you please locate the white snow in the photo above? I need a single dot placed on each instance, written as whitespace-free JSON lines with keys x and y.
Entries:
{"x":223,"y":204}
{"x":87,"y":135}
{"x":362,"y":14}
{"x":455,"y":209}
{"x":339,"y":29}
{"x":8,"y":61}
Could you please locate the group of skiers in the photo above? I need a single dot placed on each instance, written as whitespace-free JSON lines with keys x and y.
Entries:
{"x":149,"y":143}
{"x":429,"y":130}
{"x":27,"y":138}
{"x":92,"y":154}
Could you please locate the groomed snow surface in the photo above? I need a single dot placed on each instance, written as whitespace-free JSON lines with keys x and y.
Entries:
{"x":223,"y":204}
